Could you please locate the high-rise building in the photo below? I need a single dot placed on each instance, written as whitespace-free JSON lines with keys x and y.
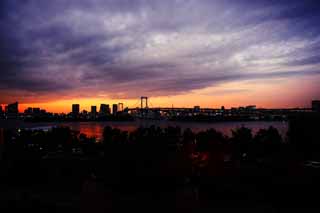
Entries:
{"x":75,"y":109}
{"x":114,"y":109}
{"x":13,"y":108}
{"x":196,"y":109}
{"x":36,"y":110}
{"x":316,"y":105}
{"x":104,"y":109}
{"x":251,"y":107}
{"x":28,"y":110}
{"x":93,"y":110}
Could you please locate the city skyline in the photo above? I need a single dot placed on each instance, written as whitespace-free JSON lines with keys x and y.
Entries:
{"x":107,"y":107}
{"x":182,"y":53}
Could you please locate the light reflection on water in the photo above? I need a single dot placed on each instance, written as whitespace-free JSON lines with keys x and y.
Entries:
{"x":95,"y":129}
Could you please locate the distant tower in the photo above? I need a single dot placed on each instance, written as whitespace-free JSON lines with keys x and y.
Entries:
{"x":104,"y":109}
{"x":28,"y":110}
{"x":93,"y":110}
{"x":13,"y":108}
{"x":36,"y":110}
{"x":144,"y":100}
{"x":114,"y":109}
{"x":196,"y":109}
{"x":75,"y":109}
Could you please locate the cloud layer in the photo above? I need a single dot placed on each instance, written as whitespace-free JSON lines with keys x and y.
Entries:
{"x":129,"y":48}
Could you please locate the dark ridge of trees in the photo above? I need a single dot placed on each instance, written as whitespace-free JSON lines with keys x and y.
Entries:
{"x":155,"y":151}
{"x":163,"y":167}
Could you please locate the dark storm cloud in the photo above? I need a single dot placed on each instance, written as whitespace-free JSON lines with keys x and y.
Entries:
{"x":198,"y":83}
{"x":136,"y":47}
{"x":313,"y":60}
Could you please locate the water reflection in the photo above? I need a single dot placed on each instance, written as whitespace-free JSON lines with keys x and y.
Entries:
{"x":95,"y":129}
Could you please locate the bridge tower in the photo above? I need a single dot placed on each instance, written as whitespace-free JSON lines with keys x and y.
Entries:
{"x":120,"y":107}
{"x":144,"y":102}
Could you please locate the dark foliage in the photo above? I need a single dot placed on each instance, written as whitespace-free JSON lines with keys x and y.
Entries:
{"x":164,"y":167}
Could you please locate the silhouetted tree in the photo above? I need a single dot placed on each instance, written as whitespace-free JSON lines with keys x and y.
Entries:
{"x":241,"y":140}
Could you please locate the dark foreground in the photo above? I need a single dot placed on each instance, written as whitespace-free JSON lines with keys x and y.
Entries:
{"x":159,"y":170}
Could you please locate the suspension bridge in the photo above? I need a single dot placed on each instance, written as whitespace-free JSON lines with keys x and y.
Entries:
{"x":144,"y":108}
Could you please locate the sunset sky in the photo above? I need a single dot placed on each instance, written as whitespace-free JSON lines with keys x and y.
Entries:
{"x":177,"y":52}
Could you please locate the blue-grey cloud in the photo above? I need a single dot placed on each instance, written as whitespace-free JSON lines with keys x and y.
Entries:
{"x":127,"y":48}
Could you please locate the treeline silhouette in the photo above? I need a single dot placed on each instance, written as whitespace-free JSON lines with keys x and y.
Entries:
{"x":151,"y":151}
{"x":163,"y":167}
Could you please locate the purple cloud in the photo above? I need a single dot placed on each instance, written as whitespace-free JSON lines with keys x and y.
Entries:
{"x":132,"y":47}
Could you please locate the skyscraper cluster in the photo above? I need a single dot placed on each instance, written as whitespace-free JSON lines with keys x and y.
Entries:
{"x":103,"y":110}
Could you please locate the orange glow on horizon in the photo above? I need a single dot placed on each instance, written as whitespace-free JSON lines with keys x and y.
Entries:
{"x":65,"y":106}
{"x":275,"y":93}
